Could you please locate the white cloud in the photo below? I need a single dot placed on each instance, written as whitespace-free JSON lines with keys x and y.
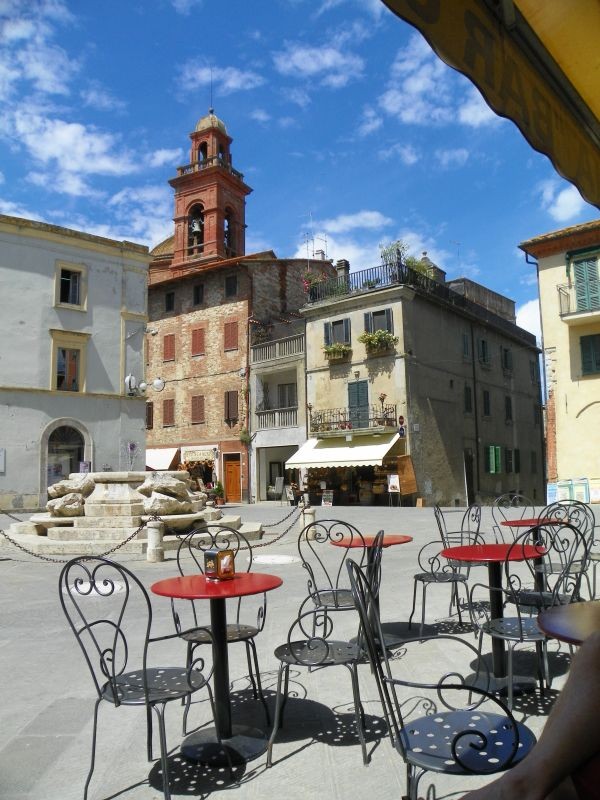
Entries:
{"x":528,"y":317}
{"x":164,"y":156}
{"x":98,"y":97}
{"x":298,"y":96}
{"x":69,"y":183}
{"x":13,"y":209}
{"x":563,"y":204}
{"x":47,"y":67}
{"x":73,"y":147}
{"x":195,"y":74}
{"x":373,"y":7}
{"x":185,"y":6}
{"x":407,"y":154}
{"x":1,"y":177}
{"x":475,"y":112}
{"x":329,"y":65}
{"x":452,"y":158}
{"x":369,"y":220}
{"x":371,"y":122}
{"x":260,"y":115}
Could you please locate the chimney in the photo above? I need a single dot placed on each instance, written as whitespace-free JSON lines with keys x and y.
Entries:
{"x":433,"y":271}
{"x":320,"y":254}
{"x":343,"y":268}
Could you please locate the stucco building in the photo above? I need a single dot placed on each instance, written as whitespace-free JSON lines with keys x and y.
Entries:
{"x":73,"y":331}
{"x":209,"y":303}
{"x":410,"y":374}
{"x":569,"y":288}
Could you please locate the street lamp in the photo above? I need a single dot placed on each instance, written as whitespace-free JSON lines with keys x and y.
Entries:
{"x":133,"y":389}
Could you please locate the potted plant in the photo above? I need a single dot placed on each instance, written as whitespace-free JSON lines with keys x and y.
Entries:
{"x":378,"y":341}
{"x":337,"y":350}
{"x":244,"y":436}
{"x":219,"y":493}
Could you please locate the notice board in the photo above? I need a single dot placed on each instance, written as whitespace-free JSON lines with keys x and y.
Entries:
{"x":408,"y":481}
{"x":327,"y":497}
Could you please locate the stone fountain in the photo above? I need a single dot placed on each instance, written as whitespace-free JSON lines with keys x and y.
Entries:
{"x":91,"y":513}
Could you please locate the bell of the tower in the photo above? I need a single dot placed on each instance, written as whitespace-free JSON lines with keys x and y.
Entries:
{"x":209,"y":198}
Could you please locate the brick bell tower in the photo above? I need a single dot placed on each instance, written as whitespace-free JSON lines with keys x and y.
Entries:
{"x":209,"y":199}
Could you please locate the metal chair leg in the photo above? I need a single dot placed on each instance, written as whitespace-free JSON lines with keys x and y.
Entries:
{"x":358,"y":712}
{"x":93,"y":759}
{"x":278,"y":710}
{"x":414,"y":603}
{"x":250,"y":670}
{"x":252,"y":646}
{"x":149,"y":733}
{"x":160,"y":713}
{"x":509,"y":675}
{"x":423,"y":602}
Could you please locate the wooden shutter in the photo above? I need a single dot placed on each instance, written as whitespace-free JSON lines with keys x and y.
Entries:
{"x":368,"y":322}
{"x":169,"y":347}
{"x":347,"y":339}
{"x":168,"y":412}
{"x":497,"y":459}
{"x":198,"y":342}
{"x":326,"y":333}
{"x":198,"y":408}
{"x":587,"y":288}
{"x":517,"y":464}
{"x":590,"y":354}
{"x":389,"y":320}
{"x":230,"y":335}
{"x":149,"y":416}
{"x":231,"y":406}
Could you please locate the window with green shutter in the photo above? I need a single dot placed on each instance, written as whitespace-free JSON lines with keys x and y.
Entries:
{"x":590,"y":354}
{"x":493,"y":459}
{"x":587,"y":286}
{"x":336,"y":332}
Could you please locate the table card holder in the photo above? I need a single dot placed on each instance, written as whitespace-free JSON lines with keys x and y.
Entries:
{"x":219,"y":565}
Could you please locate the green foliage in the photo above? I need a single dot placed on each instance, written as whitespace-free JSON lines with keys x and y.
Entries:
{"x":218,"y":490}
{"x":337,"y":350}
{"x":378,"y":340}
{"x":244,"y":436}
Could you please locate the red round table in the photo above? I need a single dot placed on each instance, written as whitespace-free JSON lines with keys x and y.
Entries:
{"x":494,"y":555}
{"x":241,"y":741}
{"x":368,"y":540}
{"x":572,"y":623}
{"x":530,"y":522}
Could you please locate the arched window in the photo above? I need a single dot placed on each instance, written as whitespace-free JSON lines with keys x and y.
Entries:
{"x":65,"y":451}
{"x":228,"y":231}
{"x":196,"y":230}
{"x":222,"y":155}
{"x":203,"y":152}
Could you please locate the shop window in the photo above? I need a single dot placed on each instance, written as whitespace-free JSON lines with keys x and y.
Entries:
{"x":70,"y":285}
{"x":149,"y":416}
{"x":169,"y":347}
{"x":231,"y":407}
{"x":169,"y":301}
{"x":198,"y":337}
{"x":198,"y":409}
{"x":381,"y":320}
{"x":230,"y":336}
{"x":337,"y":332}
{"x":168,"y":413}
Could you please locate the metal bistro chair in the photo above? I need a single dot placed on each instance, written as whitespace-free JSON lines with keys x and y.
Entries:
{"x":310,"y":643}
{"x":508,"y":507}
{"x":456,"y":733}
{"x":190,"y":560}
{"x":324,"y":560}
{"x":110,"y":614}
{"x":437,"y":570}
{"x":470,"y":521}
{"x":581,"y":517}
{"x":528,"y":590}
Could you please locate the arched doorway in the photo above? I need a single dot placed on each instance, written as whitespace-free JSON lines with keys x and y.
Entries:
{"x":65,"y":451}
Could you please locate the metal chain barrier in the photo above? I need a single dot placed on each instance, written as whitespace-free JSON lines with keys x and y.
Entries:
{"x":152,"y":517}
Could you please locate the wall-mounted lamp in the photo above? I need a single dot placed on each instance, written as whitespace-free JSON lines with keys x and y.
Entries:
{"x":215,"y":453}
{"x":135,"y":389}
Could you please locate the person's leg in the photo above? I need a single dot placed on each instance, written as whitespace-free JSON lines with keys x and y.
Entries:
{"x":570,"y":738}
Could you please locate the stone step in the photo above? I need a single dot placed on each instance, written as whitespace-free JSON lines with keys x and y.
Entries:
{"x":85,"y":523}
{"x":252,"y":530}
{"x":100,"y":534}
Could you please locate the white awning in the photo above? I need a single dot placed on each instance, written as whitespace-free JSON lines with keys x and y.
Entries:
{"x":161,"y":458}
{"x":362,"y":451}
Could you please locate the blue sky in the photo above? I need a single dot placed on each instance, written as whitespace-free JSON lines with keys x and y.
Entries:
{"x":349,"y":129}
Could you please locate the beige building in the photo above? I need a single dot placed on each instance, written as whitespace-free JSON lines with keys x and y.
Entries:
{"x":427,"y":379}
{"x":569,"y":290}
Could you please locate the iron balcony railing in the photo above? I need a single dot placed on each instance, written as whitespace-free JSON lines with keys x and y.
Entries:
{"x":344,"y":419}
{"x":571,"y":301}
{"x":277,"y":418}
{"x":213,"y":161}
{"x":387,"y":275}
{"x":280,"y":348}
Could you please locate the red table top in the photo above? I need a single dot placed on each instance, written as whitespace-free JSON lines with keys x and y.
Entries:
{"x":530,"y":522}
{"x":491,"y":552}
{"x":199,"y":587}
{"x":572,"y":623}
{"x":369,"y":539}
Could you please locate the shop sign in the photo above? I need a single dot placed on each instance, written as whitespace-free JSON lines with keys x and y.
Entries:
{"x":327,"y":497}
{"x":197,"y":455}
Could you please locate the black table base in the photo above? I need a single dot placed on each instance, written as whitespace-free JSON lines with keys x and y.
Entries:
{"x":245,"y":744}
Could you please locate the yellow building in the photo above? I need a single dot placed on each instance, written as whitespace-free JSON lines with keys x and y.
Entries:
{"x":569,"y":290}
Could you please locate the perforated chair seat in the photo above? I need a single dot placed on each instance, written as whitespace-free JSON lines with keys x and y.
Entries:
{"x":236,"y":632}
{"x":440,"y":577}
{"x":166,"y":684}
{"x":316,"y":653}
{"x":513,"y":629}
{"x":428,"y":741}
{"x":333,"y":598}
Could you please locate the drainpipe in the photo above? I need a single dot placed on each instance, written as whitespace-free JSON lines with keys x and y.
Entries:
{"x":475,"y":412}
{"x":543,"y":387}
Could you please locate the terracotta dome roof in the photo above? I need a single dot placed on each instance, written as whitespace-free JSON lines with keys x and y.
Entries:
{"x":211,"y":121}
{"x":164,"y":248}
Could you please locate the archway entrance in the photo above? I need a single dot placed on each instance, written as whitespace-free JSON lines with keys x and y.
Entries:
{"x":65,"y":451}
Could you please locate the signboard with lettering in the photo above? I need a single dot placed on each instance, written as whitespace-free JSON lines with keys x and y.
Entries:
{"x":393,"y":483}
{"x":327,"y":497}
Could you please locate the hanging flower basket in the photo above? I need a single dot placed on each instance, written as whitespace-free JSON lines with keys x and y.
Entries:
{"x":337,"y":351}
{"x":378,"y":341}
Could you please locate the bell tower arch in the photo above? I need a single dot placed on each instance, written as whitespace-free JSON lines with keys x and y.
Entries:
{"x":210,"y":198}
